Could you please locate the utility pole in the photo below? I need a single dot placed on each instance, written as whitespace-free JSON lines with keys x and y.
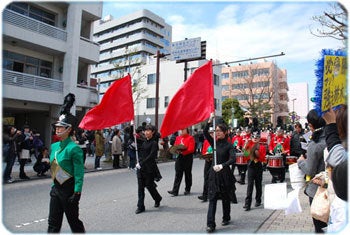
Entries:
{"x":159,"y":55}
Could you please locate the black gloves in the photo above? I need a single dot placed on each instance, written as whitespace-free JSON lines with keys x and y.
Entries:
{"x":74,"y":199}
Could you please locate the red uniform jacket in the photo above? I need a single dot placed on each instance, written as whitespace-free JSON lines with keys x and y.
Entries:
{"x":186,"y":140}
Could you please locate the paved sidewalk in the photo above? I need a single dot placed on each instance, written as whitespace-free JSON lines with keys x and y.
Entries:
{"x":278,"y":222}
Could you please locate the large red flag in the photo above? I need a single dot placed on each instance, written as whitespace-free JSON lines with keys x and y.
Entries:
{"x":192,"y":103}
{"x":115,"y":107}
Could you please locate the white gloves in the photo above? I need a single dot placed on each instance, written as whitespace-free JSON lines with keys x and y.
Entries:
{"x":132,"y":122}
{"x":138,"y":166}
{"x":218,"y":168}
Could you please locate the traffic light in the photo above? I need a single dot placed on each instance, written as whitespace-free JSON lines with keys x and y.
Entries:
{"x":203,"y":49}
{"x":313,"y":99}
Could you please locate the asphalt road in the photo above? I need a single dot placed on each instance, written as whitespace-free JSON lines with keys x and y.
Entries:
{"x":109,"y":201}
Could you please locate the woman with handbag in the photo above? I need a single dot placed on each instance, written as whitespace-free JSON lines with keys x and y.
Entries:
{"x":314,"y":163}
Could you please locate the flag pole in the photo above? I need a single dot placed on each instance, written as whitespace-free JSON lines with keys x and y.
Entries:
{"x":214,"y":150}
{"x":135,"y":139}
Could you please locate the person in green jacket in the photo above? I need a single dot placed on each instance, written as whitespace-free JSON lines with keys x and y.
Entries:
{"x":67,"y":171}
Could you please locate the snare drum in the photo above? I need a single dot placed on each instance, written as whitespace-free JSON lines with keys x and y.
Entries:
{"x":290,"y":160}
{"x":241,"y":159}
{"x":275,"y":161}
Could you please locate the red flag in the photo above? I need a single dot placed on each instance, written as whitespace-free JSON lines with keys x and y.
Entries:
{"x":192,"y":103}
{"x":115,"y":107}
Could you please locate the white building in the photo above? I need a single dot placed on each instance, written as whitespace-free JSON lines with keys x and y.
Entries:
{"x":127,"y":42}
{"x":299,"y":100}
{"x":171,"y":77}
{"x":47,"y":52}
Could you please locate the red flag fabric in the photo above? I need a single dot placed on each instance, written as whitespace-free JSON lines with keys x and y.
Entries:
{"x":192,"y":103}
{"x":116,"y":107}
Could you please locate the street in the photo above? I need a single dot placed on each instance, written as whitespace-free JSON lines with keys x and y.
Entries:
{"x":108,"y":205}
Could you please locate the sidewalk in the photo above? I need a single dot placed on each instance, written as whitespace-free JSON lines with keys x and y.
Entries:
{"x":28,"y":169}
{"x":278,"y":222}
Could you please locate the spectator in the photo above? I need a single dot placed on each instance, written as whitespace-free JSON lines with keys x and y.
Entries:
{"x":295,"y":141}
{"x":314,"y":162}
{"x":42,"y":164}
{"x":99,"y":141}
{"x":10,"y":137}
{"x":116,"y":148}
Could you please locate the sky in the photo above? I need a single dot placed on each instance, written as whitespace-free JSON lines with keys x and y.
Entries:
{"x":242,"y":30}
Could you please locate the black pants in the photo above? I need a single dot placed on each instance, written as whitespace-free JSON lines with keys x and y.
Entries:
{"x":145,"y":180}
{"x":60,"y":205}
{"x":183,"y":165}
{"x":207,"y":166}
{"x":255,"y":172}
{"x":242,"y":169}
{"x":22,"y":163}
{"x":226,"y":209}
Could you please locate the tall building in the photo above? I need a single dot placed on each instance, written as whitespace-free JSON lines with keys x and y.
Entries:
{"x":261,"y":88}
{"x":127,"y":42}
{"x":47,"y":53}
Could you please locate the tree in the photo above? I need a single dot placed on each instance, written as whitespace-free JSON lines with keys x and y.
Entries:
{"x":333,"y":23}
{"x":227,"y":106}
{"x":255,"y":87}
{"x":131,"y":63}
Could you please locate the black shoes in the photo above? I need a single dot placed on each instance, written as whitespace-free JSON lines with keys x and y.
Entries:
{"x":173,"y":193}
{"x":210,"y":229}
{"x":241,"y":182}
{"x":225,"y":222}
{"x":24,"y":177}
{"x":203,"y":198}
{"x":138,"y":210}
{"x":187,"y":192}
{"x":157,"y":203}
{"x":247,"y":208}
{"x":257,"y":204}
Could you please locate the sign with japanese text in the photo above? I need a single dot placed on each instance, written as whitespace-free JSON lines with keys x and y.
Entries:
{"x":334,"y":81}
{"x":186,"y":49}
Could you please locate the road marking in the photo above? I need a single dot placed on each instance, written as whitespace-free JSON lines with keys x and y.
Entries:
{"x":29,"y":223}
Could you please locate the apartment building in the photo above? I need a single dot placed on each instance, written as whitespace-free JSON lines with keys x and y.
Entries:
{"x":127,"y":42}
{"x":47,"y":53}
{"x":261,"y":85}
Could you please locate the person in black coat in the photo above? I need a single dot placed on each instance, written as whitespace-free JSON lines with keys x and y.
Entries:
{"x":42,"y":164}
{"x":147,"y":169}
{"x":221,"y":181}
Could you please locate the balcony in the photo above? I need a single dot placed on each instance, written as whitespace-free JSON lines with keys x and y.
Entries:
{"x":28,"y":23}
{"x":31,"y":81}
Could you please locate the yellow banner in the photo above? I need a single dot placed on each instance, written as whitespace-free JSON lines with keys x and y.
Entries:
{"x":334,"y":81}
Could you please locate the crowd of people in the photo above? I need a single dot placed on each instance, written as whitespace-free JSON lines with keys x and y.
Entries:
{"x":250,"y":152}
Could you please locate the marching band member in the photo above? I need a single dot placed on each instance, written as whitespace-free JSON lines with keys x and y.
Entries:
{"x":242,"y":169}
{"x":207,"y":151}
{"x":279,"y":144}
{"x":255,"y":172}
{"x":221,"y":182}
{"x":67,"y":172}
{"x":184,"y":161}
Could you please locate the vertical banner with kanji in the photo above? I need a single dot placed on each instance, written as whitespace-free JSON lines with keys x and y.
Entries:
{"x":334,"y":81}
{"x":331,"y":75}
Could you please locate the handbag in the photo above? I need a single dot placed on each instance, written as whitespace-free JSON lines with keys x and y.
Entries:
{"x":320,"y":206}
{"x":25,"y":154}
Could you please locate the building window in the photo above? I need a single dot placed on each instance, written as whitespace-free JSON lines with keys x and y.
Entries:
{"x":33,"y":12}
{"x":225,"y":75}
{"x":240,"y":74}
{"x":26,"y":64}
{"x":151,"y":103}
{"x":216,"y":80}
{"x":166,"y":101}
{"x":151,"y":78}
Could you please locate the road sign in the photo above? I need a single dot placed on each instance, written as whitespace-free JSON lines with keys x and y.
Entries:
{"x":186,"y":49}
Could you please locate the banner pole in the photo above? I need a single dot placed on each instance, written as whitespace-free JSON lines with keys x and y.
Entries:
{"x":135,"y":139}
{"x":214,"y":150}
